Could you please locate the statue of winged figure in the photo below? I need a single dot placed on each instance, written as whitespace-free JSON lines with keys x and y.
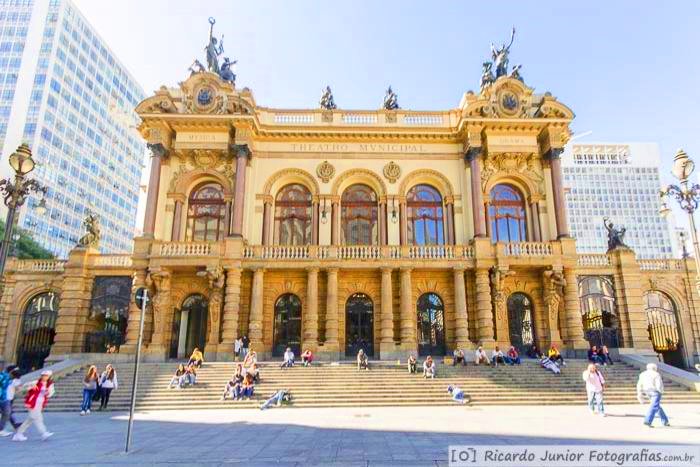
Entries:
{"x":214,"y":49}
{"x":500,"y":56}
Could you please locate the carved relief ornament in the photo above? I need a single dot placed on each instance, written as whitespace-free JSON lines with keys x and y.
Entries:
{"x":392,"y":172}
{"x":325,"y":171}
{"x":522,"y":164}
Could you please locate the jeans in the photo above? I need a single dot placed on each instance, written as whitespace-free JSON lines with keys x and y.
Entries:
{"x":654,"y":407}
{"x":287,"y":364}
{"x":596,"y":359}
{"x":458,"y":360}
{"x":497,"y":360}
{"x":412,"y":367}
{"x":274,"y":400}
{"x":104,"y":397}
{"x":595,"y":401}
{"x":190,"y":379}
{"x":247,"y":392}
{"x":7,"y":415}
{"x":87,"y":399}
{"x":37,"y":417}
{"x":512,"y":361}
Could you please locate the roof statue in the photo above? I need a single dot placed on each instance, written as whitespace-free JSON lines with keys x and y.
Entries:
{"x":92,"y":231}
{"x":499,"y":57}
{"x":327,"y":102}
{"x":487,"y":77}
{"x":616,"y":236}
{"x":214,"y":49}
{"x":226,"y":73}
{"x":391,"y":101}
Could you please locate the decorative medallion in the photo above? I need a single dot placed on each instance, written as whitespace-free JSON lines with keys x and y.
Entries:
{"x":508,"y":102}
{"x":325,"y":171}
{"x":392,"y":172}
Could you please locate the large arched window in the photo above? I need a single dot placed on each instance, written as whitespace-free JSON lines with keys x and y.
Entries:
{"x":597,"y":303}
{"x":293,"y":216}
{"x":662,"y":323}
{"x":38,"y":331}
{"x":425,"y":216}
{"x":206,"y":213}
{"x":507,"y":215}
{"x":359,"y":216}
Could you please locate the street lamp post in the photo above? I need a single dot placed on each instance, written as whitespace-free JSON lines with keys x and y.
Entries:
{"x":15,"y":193}
{"x":688,"y":196}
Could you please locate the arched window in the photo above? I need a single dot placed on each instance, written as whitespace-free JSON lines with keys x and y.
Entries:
{"x":359,"y":216}
{"x":38,"y":331}
{"x":507,"y":215}
{"x":206,"y":213}
{"x":661,"y":318}
{"x":425,"y":216}
{"x":293,"y":215}
{"x":597,"y":303}
{"x":109,"y":313}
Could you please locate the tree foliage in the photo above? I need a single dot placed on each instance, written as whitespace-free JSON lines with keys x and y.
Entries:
{"x":25,"y":247}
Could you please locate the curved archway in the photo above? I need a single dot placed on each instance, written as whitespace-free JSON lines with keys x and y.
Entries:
{"x":359,"y":325}
{"x":506,"y":212}
{"x":598,"y":313}
{"x":293,"y":215}
{"x":287,"y":325}
{"x":521,"y":321}
{"x":190,"y":326}
{"x":426,"y":177}
{"x":662,"y":321}
{"x":38,"y":331}
{"x":431,"y":324}
{"x":358,"y":176}
{"x":359,"y":215}
{"x":206,"y":213}
{"x":425,"y":219}
{"x":290,"y":176}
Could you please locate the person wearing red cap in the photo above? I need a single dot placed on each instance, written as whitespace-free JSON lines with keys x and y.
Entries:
{"x":36,"y":399}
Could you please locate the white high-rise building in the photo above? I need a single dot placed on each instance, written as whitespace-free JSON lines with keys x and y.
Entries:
{"x":619,"y":181}
{"x":64,"y":93}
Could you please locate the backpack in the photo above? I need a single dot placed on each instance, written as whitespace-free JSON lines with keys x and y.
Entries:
{"x":5,"y":380}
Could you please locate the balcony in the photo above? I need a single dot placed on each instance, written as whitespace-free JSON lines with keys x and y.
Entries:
{"x":185,"y":249}
{"x":112,"y":261}
{"x":660,"y":264}
{"x":37,"y":265}
{"x":528,"y":249}
{"x":358,"y":252}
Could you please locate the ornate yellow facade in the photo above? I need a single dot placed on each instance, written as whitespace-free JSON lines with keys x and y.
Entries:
{"x":390,"y":230}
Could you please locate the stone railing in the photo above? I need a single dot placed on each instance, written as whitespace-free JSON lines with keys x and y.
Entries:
{"x":359,"y":252}
{"x":294,"y":119}
{"x":174,"y":249}
{"x":39,"y":265}
{"x":421,"y":119}
{"x":594,"y":260}
{"x":431,"y":252}
{"x":112,"y":261}
{"x":528,"y":249}
{"x":660,"y":264}
{"x":359,"y":118}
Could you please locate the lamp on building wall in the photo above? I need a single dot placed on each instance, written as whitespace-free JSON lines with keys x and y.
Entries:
{"x":324,"y":212}
{"x":394,"y":213}
{"x":688,"y":197}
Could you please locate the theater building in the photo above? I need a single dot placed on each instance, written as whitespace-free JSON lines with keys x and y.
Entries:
{"x":388,"y":230}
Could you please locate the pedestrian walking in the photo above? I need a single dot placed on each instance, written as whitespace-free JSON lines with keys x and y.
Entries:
{"x":245,"y":344}
{"x":108,"y":383}
{"x":35,"y":401}
{"x":89,"y":389}
{"x":595,"y":385}
{"x":651,"y":386}
{"x":9,"y":381}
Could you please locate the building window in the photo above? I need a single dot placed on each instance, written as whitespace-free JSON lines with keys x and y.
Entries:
{"x":661,"y":319}
{"x":597,"y":303}
{"x":206,"y":213}
{"x":507,"y":215}
{"x":425,"y":216}
{"x":293,"y":216}
{"x":359,"y":216}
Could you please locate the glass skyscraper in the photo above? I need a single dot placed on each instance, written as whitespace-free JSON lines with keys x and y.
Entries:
{"x":64,"y":93}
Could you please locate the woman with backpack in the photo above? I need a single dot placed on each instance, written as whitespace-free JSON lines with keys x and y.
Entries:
{"x":108,"y":382}
{"x":36,"y":399}
{"x":9,"y":382}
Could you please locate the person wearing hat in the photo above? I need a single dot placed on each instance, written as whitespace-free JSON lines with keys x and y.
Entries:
{"x":9,"y":381}
{"x":36,"y":399}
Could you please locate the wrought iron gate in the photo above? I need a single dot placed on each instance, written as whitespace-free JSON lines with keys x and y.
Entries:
{"x":38,"y":331}
{"x":520,"y":322}
{"x":359,"y":325}
{"x":431,"y":325}
{"x":287,"y":328}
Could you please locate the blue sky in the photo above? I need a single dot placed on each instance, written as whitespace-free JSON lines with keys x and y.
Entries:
{"x":629,"y":69}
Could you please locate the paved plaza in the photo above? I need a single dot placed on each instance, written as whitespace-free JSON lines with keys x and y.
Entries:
{"x":347,"y":436}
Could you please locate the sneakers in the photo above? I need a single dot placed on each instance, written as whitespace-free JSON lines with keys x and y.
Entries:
{"x":649,"y":425}
{"x":19,"y":437}
{"x":87,"y":411}
{"x":46,"y":436}
{"x":82,"y":412}
{"x":602,"y":414}
{"x":5,"y":433}
{"x":667,"y":424}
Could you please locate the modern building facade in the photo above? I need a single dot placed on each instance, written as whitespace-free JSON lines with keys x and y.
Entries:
{"x":67,"y":95}
{"x":619,"y":181}
{"x":386,"y":230}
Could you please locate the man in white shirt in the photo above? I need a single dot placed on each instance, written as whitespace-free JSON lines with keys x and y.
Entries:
{"x":497,"y":357}
{"x":480,"y":356}
{"x":651,"y":385}
{"x":288,"y":358}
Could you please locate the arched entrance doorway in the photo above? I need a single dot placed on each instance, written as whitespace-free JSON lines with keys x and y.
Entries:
{"x":38,"y":331}
{"x":190,"y":326}
{"x":287,"y":327}
{"x":431,"y":325}
{"x":663,"y":327}
{"x":597,"y":302}
{"x":520,"y":321}
{"x":359,"y":325}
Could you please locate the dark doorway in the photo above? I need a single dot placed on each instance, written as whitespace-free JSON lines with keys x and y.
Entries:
{"x":663,"y":328}
{"x":287,"y":327}
{"x":431,"y":325}
{"x":520,"y":322}
{"x":38,"y":331}
{"x":359,"y":325}
{"x":190,"y":326}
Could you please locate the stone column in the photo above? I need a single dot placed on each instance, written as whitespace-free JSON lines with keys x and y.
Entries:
{"x":242,"y":155}
{"x":331,"y":344}
{"x":232,"y":309}
{"x":335,"y":222}
{"x":461,"y":317}
{"x":216,"y":298}
{"x":554,"y":156}
{"x":311,"y":312}
{"x":381,"y":223}
{"x":473,"y":155}
{"x":158,"y":152}
{"x":267,"y":222}
{"x":573,"y":337}
{"x":450,"y":224}
{"x":177,"y":221}
{"x":134,"y":318}
{"x":255,"y":332}
{"x":386,"y":345}
{"x":484,"y":310}
{"x":227,"y":219}
{"x":408,"y":313}
{"x":403,"y":232}
{"x":535,"y":212}
{"x":314,"y":223}
{"x":162,"y":311}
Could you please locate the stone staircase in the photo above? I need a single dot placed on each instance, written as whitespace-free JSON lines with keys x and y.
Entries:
{"x":386,"y":384}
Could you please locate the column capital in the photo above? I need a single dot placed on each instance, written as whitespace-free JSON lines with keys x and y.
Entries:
{"x":386,"y":270}
{"x":256,"y":269}
{"x":459,"y":269}
{"x":405,"y":269}
{"x":333,"y":270}
{"x":157,"y":149}
{"x":473,"y":152}
{"x":312,"y":269}
{"x":240,"y":150}
{"x":553,"y":153}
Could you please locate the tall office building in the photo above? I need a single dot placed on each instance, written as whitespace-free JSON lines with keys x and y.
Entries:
{"x":64,"y":93}
{"x":621,"y":182}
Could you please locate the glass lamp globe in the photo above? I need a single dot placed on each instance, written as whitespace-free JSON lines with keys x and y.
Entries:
{"x":21,"y":160}
{"x":683,"y":166}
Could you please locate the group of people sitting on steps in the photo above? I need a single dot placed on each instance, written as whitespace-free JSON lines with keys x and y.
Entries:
{"x":599,"y":355}
{"x":512,"y":357}
{"x":186,"y":375}
{"x":307,"y":356}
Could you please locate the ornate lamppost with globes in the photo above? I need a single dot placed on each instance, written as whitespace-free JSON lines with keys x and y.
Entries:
{"x":15,"y":192}
{"x":688,"y":196}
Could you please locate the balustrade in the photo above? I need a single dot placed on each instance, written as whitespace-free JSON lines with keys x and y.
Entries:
{"x":660,"y":264}
{"x":120,"y":261}
{"x":528,"y":249}
{"x":173,"y":249}
{"x":593,"y":260}
{"x":39,"y":265}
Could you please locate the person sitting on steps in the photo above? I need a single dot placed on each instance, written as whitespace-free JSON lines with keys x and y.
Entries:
{"x":458,"y":357}
{"x":276,"y":399}
{"x":196,"y":358}
{"x":604,"y":355}
{"x":250,"y":359}
{"x":411,"y":364}
{"x":480,"y":356}
{"x":534,"y":352}
{"x":307,"y":357}
{"x":248,"y":387}
{"x":190,"y":378}
{"x":429,"y":368}
{"x":362,"y":361}
{"x":178,"y":377}
{"x":288,"y":359}
{"x":593,"y":356}
{"x":555,"y":356}
{"x":255,"y":373}
{"x":497,"y":357}
{"x":513,"y":358}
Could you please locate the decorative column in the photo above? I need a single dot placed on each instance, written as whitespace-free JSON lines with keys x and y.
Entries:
{"x":573,"y":337}
{"x":449,"y":208}
{"x":408,"y":321}
{"x":535,"y":212}
{"x":255,"y":333}
{"x":162,"y":311}
{"x":158,"y":152}
{"x":554,"y":157}
{"x":314,"y":221}
{"x":242,"y":155}
{"x":177,"y":221}
{"x":387,"y":316}
{"x":461,"y":318}
{"x":335,"y":221}
{"x":403,"y":232}
{"x":216,"y":279}
{"x":232,"y":308}
{"x":473,"y":155}
{"x":267,"y":221}
{"x":484,"y":311}
{"x":382,"y":222}
{"x":331,"y":343}
{"x":311,"y":312}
